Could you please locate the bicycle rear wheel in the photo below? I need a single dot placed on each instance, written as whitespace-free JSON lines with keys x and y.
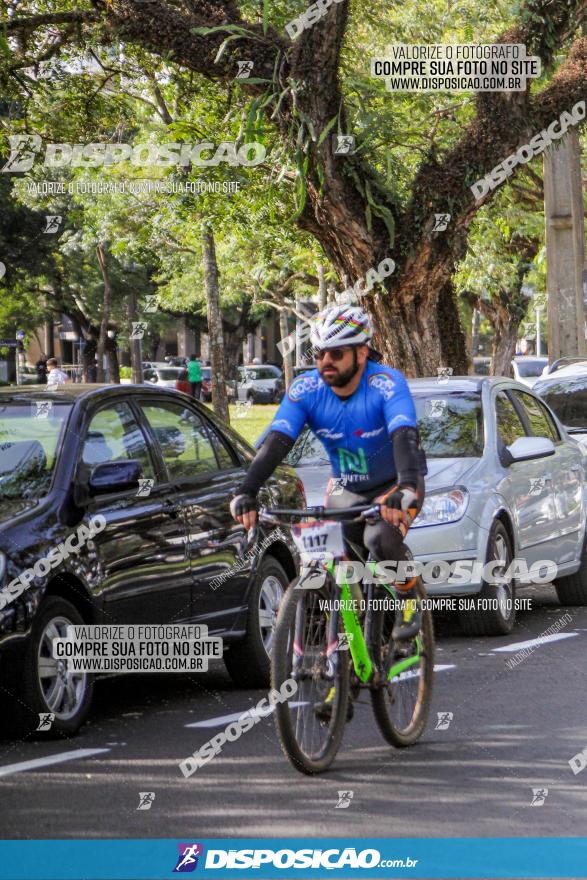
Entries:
{"x":402,"y":705}
{"x":301,"y":651}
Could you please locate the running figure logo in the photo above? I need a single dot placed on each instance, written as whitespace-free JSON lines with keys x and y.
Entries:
{"x":145,"y":486}
{"x":244,"y":69}
{"x":52,"y":222}
{"x":46,"y":719}
{"x":187,"y":861}
{"x":441,"y":222}
{"x":138,"y":329}
{"x":146,"y":799}
{"x":344,"y":800}
{"x":539,"y":795}
{"x":343,"y":144}
{"x":444,"y":719}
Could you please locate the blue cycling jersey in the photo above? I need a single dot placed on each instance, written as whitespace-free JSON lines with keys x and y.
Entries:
{"x":355,"y":432}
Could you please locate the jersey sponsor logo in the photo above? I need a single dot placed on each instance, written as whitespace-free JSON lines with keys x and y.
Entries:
{"x":352,"y":462}
{"x":281,"y":423}
{"x":302,"y":385}
{"x":360,"y":432}
{"x":328,"y":434}
{"x":383,"y":383}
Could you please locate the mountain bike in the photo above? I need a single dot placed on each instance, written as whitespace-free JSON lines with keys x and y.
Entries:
{"x":320,"y":623}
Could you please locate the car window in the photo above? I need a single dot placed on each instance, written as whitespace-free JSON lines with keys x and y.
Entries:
{"x":184,"y":441}
{"x":30,"y":435}
{"x":541,"y":423}
{"x":528,"y":369}
{"x":509,"y":426}
{"x":568,"y":399}
{"x":450,"y":424}
{"x":114,"y":435}
{"x":223,"y":455}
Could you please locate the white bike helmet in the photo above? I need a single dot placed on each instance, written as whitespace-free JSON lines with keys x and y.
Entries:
{"x":341,"y":325}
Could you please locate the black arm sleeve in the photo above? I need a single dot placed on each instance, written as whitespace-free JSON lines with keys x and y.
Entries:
{"x":274,"y":449}
{"x":410,"y":459}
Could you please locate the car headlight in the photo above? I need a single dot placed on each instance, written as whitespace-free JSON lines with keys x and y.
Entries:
{"x":442,"y":507}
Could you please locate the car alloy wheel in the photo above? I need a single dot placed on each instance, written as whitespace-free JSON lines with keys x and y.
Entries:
{"x":270,"y":596}
{"x":63,"y":691}
{"x":503,"y":590}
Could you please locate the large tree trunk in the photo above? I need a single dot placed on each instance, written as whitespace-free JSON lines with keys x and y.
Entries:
{"x":112,"y":357}
{"x":504,"y":343}
{"x":89,"y":356}
{"x":215,"y":333}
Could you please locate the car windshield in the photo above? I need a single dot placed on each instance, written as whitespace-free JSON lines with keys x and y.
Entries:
{"x":307,"y":450}
{"x":30,"y":432}
{"x":568,"y":400}
{"x":450,"y":424}
{"x":530,"y":368}
{"x":168,"y":374}
{"x":206,"y":373}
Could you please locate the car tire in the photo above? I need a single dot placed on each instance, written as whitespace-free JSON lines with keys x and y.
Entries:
{"x":31,"y":694}
{"x":249,"y":661}
{"x":572,"y":589}
{"x":494,"y":621}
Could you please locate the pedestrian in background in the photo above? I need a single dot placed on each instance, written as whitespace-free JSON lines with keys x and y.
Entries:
{"x":41,"y":368}
{"x":56,"y":376}
{"x":195,"y":376}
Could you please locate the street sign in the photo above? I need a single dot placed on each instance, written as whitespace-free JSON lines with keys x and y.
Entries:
{"x":8,"y":343}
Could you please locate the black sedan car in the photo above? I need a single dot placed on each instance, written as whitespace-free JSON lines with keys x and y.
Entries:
{"x":157,"y":470}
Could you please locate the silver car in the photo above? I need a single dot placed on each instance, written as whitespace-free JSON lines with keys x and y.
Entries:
{"x":504,"y":481}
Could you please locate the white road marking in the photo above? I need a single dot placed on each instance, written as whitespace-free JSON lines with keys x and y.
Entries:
{"x":404,"y":676}
{"x":223,"y":720}
{"x":533,"y":643}
{"x":59,"y":758}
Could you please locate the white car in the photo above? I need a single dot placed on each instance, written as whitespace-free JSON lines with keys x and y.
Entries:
{"x":566,"y":366}
{"x":528,"y":368}
{"x":164,"y":376}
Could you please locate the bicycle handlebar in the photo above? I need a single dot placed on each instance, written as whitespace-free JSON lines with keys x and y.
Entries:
{"x":364,"y":511}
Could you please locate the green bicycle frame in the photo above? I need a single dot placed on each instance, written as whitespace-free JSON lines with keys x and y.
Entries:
{"x":358,"y":647}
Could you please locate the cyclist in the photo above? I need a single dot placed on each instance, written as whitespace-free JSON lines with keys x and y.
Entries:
{"x":364,"y":414}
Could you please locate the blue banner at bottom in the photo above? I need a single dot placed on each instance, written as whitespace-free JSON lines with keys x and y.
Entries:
{"x":284,"y":857}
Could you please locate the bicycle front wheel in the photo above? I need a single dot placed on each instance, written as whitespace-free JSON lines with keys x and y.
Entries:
{"x":311,"y":722}
{"x":401,"y":704}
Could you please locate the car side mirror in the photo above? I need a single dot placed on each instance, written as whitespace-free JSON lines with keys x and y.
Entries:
{"x":114,"y":476}
{"x":530,"y":448}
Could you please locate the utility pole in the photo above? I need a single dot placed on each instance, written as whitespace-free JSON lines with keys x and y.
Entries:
{"x":136,"y":358}
{"x":565,"y":237}
{"x":538,"y":336}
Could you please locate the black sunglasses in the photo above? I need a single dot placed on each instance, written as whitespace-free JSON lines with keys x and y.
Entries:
{"x":336,"y":354}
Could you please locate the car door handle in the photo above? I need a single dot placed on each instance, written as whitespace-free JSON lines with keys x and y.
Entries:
{"x":171,"y":508}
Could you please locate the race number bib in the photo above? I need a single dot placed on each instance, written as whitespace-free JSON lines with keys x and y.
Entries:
{"x":320,"y":541}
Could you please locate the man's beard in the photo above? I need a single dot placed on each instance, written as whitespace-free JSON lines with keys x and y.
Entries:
{"x":339,"y":379}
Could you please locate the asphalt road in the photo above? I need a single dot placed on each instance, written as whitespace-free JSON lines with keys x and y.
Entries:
{"x":512,"y":731}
